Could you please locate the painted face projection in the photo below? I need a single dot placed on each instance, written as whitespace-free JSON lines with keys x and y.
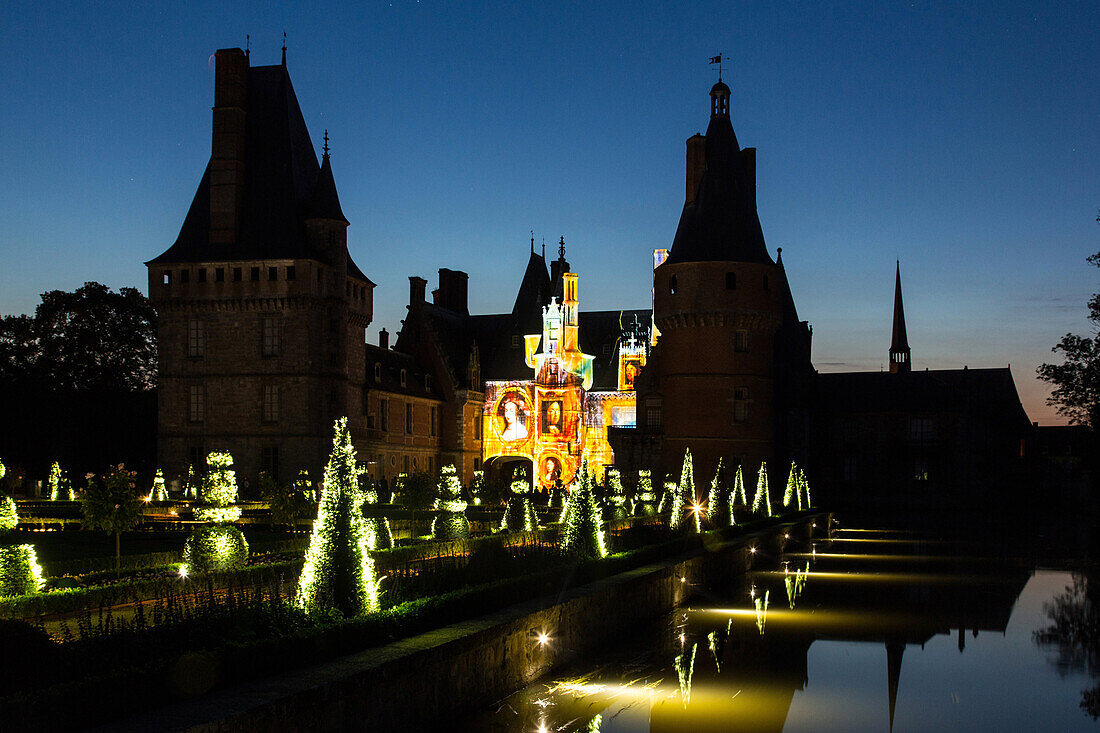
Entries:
{"x":630,"y":366}
{"x":559,"y":413}
{"x":552,"y":422}
{"x":512,"y":416}
{"x":555,"y":469}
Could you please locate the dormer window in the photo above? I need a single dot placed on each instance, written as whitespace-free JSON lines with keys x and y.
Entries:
{"x":377,"y":372}
{"x":404,"y":377}
{"x":428,"y":382}
{"x":672,"y":285}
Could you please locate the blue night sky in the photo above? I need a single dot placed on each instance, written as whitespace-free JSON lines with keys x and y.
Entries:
{"x":962,"y":140}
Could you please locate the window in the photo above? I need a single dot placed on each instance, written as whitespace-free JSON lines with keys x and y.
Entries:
{"x":291,"y":272}
{"x":477,"y":424}
{"x":515,"y":342}
{"x":653,"y":413}
{"x":741,"y":341}
{"x":404,"y":377}
{"x":197,"y":403}
{"x":377,"y":372}
{"x":236,"y":274}
{"x":347,"y":288}
{"x":167,"y":277}
{"x":185,"y":276}
{"x":430,"y":467}
{"x":920,"y":429}
{"x":384,"y":415}
{"x":196,"y":457}
{"x":731,"y":281}
{"x":269,"y":461}
{"x":270,"y":337}
{"x":196,"y":338}
{"x":273,"y":273}
{"x":477,"y":464}
{"x":672,"y":285}
{"x":408,"y":418}
{"x":202,"y":274}
{"x":434,"y":421}
{"x":740,"y":404}
{"x":428,"y":382}
{"x":607,"y":349}
{"x":254,"y":274}
{"x":271,"y":403}
{"x":406,"y":459}
{"x":219,"y":274}
{"x":371,"y":422}
{"x":850,"y":472}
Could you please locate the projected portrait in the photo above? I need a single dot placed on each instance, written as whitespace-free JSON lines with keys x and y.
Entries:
{"x":554,"y":469}
{"x":629,"y":367}
{"x":513,"y":412}
{"x":552,"y":418}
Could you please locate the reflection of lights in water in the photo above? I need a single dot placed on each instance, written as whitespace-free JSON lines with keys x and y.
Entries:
{"x":684,"y":670}
{"x":762,"y":611}
{"x":752,"y":591}
{"x":542,"y":727}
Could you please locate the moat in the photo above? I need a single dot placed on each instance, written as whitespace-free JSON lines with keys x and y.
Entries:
{"x":865,"y":630}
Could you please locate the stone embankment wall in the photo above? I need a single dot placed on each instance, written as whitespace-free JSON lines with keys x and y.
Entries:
{"x":417,"y":681}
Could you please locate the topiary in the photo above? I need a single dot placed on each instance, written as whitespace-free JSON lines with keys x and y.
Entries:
{"x":683,"y":499}
{"x":379,"y":536}
{"x":645,"y":500}
{"x":214,"y":548}
{"x":219,"y":490}
{"x":719,"y":504}
{"x":519,"y":513}
{"x":451,"y":523}
{"x":159,"y":492}
{"x":582,"y":534}
{"x":20,"y":573}
{"x":9,"y":515}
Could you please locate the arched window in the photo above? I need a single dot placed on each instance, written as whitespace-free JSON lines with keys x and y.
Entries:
{"x":672,"y":285}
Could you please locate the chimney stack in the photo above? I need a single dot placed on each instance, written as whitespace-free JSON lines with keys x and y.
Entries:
{"x":384,"y":339}
{"x":227,"y":148}
{"x":452,"y":292}
{"x":696,"y":163}
{"x":417,"y":286}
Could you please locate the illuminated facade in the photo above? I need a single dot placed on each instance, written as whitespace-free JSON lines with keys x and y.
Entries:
{"x":555,"y":419}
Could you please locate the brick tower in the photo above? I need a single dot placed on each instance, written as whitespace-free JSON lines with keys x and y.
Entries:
{"x":261,"y":311}
{"x":719,"y":303}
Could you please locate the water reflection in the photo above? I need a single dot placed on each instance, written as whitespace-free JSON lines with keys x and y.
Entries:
{"x":734,"y":660}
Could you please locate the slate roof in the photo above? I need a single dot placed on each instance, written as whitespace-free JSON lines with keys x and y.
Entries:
{"x":281,"y":177}
{"x":987,"y":392}
{"x":392,"y":362}
{"x":721,"y":224}
{"x":501,"y":360}
{"x":899,"y":341}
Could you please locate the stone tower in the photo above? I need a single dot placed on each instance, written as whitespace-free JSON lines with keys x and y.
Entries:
{"x":261,"y":312}
{"x":719,"y":303}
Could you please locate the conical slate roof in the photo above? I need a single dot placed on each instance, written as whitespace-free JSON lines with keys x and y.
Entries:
{"x":721,"y":224}
{"x":283,"y":184}
{"x":899,"y":340}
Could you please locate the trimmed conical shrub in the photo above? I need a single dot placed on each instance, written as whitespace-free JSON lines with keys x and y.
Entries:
{"x":451,"y":522}
{"x":379,"y":536}
{"x":668,"y":491}
{"x":190,"y":486}
{"x":792,"y":492}
{"x":477,"y":487}
{"x":739,"y":496}
{"x":645,"y":501}
{"x":582,"y":533}
{"x":683,"y":500}
{"x":159,"y":491}
{"x":719,"y":506}
{"x":20,"y":573}
{"x":9,"y":515}
{"x":804,"y":484}
{"x":762,"y":502}
{"x":519,"y":512}
{"x":616,"y":495}
{"x":339,"y":572}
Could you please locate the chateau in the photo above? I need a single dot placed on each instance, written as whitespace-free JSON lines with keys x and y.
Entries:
{"x":263,"y":317}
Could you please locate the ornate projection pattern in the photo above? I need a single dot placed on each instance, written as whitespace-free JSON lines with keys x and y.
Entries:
{"x":553,"y":419}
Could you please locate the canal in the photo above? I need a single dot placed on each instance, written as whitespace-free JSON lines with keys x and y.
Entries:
{"x":861,"y":630}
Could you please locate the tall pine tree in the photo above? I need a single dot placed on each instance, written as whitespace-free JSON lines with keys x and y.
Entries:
{"x":339,"y":572}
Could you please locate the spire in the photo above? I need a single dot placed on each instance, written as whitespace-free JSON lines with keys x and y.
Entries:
{"x":284,"y":49}
{"x":325,"y":203}
{"x":894,"y":651}
{"x":899,"y":342}
{"x":558,"y":268}
{"x":532,"y":241}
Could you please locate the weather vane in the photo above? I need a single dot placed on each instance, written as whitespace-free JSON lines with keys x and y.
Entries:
{"x":326,"y":141}
{"x":247,"y":44}
{"x":717,"y":60}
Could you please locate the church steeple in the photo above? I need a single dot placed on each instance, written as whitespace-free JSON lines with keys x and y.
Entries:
{"x":899,"y":343}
